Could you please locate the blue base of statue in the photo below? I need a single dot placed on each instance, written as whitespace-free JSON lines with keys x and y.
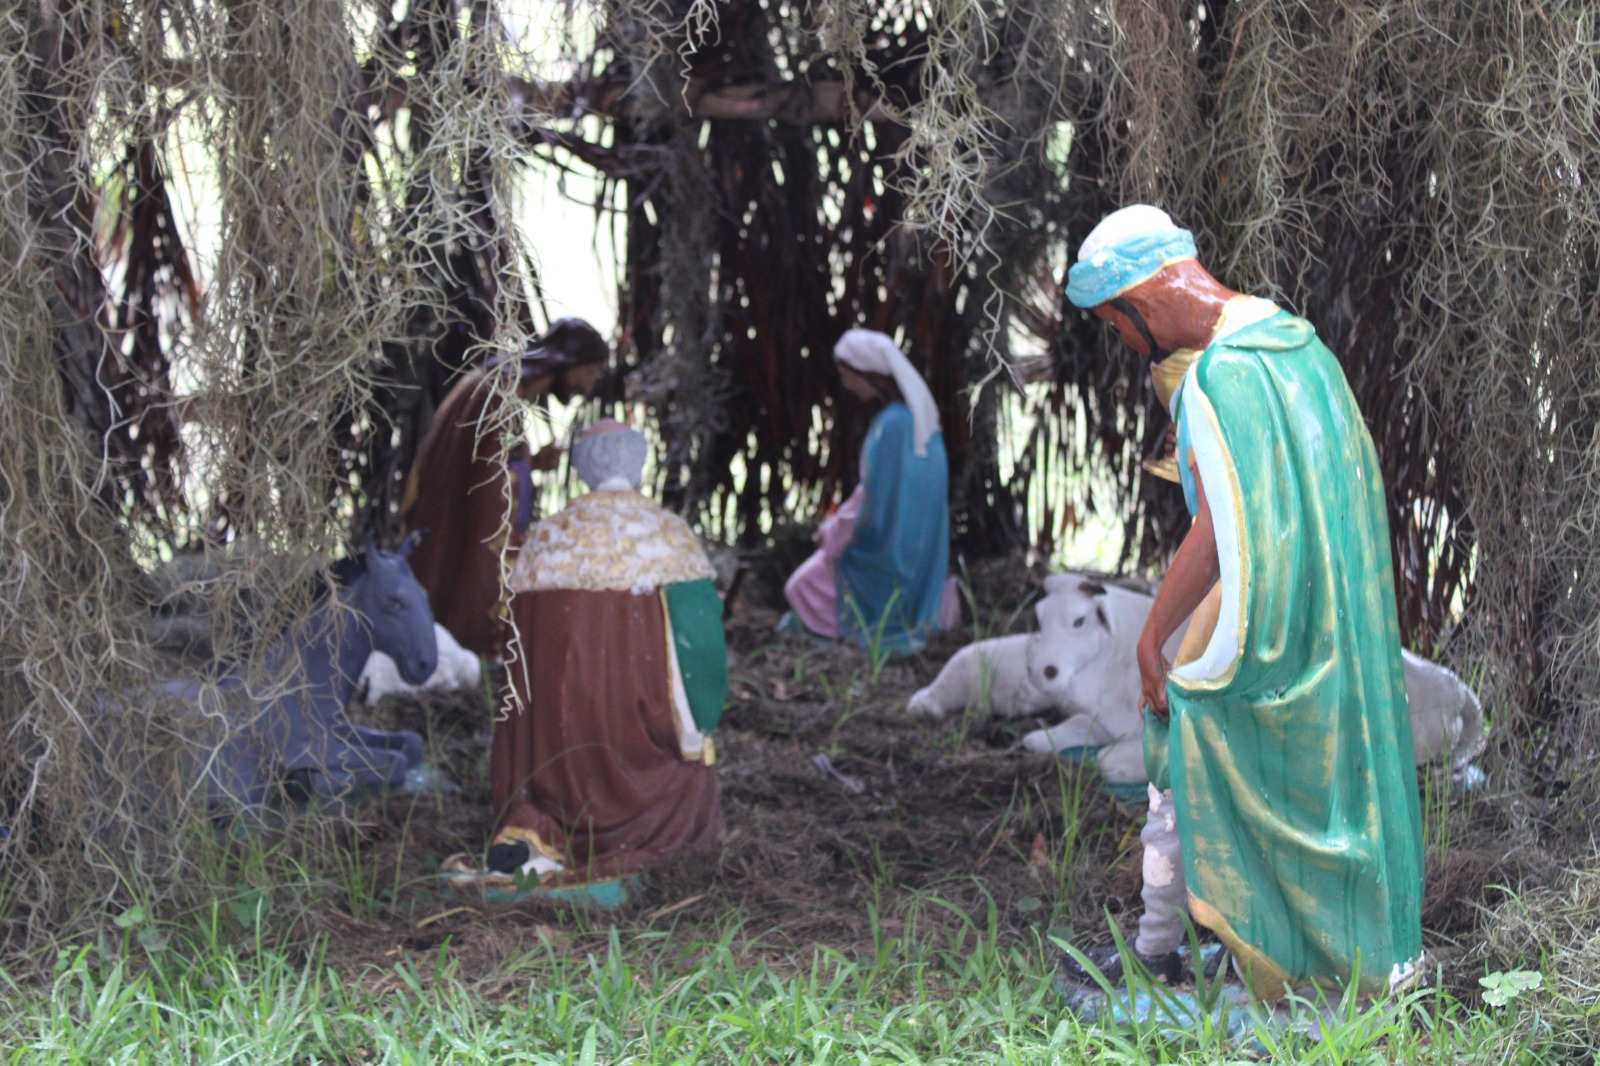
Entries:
{"x":1144,"y":1004}
{"x":504,"y":888}
{"x":1216,"y":1008}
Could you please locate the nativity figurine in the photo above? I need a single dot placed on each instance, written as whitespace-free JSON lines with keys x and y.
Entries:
{"x":879,"y":575}
{"x":1284,"y":812}
{"x":473,"y":492}
{"x":602,"y":759}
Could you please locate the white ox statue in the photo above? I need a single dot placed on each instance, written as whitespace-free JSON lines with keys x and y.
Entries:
{"x":1082,"y":663}
{"x":458,"y":668}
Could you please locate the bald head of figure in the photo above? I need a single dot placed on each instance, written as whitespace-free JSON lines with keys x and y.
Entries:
{"x":610,"y":455}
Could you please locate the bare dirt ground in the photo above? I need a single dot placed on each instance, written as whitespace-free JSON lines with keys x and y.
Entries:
{"x":848,"y":820}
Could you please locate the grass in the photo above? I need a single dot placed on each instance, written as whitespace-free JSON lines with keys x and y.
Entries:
{"x":928,"y":993}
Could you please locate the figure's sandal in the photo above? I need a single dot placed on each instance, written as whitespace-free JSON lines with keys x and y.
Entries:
{"x":521,"y":866}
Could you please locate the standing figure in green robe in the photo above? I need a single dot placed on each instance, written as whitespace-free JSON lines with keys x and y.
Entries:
{"x":1279,"y":746}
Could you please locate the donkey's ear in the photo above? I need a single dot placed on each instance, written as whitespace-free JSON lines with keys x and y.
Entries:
{"x":346,"y":570}
{"x":412,"y":540}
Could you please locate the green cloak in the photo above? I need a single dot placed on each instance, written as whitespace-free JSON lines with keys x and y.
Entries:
{"x":695,"y":612}
{"x":1289,"y":744}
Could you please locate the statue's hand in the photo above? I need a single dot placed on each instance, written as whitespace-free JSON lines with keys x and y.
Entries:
{"x":1152,"y":679}
{"x":546,"y":458}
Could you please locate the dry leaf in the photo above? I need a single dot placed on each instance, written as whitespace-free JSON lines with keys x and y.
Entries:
{"x":850,"y":784}
{"x":1039,"y":856}
{"x":430,"y":919}
{"x":662,"y":912}
{"x":556,"y":938}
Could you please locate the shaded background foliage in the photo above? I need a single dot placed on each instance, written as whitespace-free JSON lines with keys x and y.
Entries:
{"x":1411,"y":180}
{"x":1414,"y":178}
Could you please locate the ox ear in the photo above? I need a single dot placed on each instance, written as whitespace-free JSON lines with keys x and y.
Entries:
{"x":1042,"y":612}
{"x":1060,"y":583}
{"x":1091,"y":588}
{"x":1100,"y":613}
{"x":412,"y":540}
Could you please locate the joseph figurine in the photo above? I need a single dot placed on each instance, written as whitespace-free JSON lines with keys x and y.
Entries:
{"x":475,"y":500}
{"x":1283,"y":806}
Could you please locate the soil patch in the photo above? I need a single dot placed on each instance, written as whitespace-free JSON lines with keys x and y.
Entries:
{"x":848,"y":820}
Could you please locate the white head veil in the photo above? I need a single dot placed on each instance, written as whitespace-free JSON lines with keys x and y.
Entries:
{"x":872,"y":352}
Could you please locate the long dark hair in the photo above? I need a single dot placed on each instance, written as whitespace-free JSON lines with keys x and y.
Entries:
{"x":885,"y":384}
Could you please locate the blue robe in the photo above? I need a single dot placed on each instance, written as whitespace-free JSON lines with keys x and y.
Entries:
{"x":892,"y":574}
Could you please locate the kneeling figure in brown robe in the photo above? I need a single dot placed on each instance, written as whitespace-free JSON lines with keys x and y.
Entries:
{"x":601,"y":764}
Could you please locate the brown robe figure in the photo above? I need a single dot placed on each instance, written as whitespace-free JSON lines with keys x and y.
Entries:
{"x":457,"y":490}
{"x":600,"y":766}
{"x":463,"y":490}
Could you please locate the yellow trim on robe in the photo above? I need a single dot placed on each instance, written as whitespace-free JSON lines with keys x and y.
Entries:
{"x":512,"y":834}
{"x":1202,"y":624}
{"x":1242,"y":551}
{"x":1267,"y":980}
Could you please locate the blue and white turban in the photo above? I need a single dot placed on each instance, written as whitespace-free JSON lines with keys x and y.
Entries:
{"x":1128,"y":247}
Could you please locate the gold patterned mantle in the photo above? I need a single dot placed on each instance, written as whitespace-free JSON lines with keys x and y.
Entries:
{"x":609,"y":540}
